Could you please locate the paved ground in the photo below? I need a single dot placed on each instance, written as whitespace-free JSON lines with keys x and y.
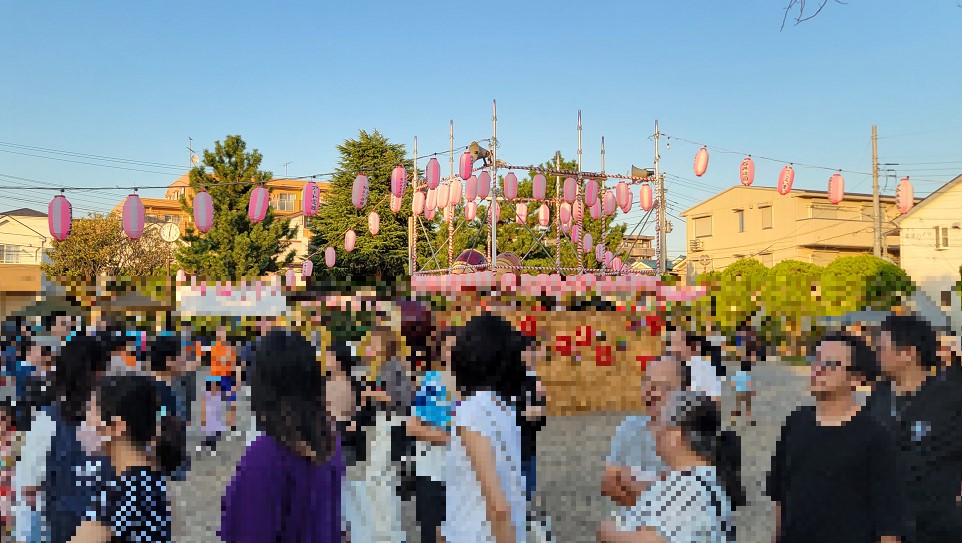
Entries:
{"x":571,"y":454}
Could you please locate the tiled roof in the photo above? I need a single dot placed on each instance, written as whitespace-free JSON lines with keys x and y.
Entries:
{"x":24,"y":212}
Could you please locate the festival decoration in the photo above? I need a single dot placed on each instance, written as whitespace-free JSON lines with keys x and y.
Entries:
{"x":307,"y":268}
{"x":509,"y":186}
{"x":467,"y":161}
{"x":904,"y":196}
{"x":622,"y":193}
{"x":587,"y":242}
{"x":836,"y":188}
{"x":203,"y":211}
{"x":350,"y":238}
{"x":596,"y":210}
{"x":373,"y":223}
{"x":600,"y":252}
{"x":746,"y":172}
{"x":544,"y":215}
{"x":259,"y":202}
{"x":701,"y":161}
{"x":484,"y":184}
{"x":290,"y":276}
{"x":433,"y":173}
{"x":578,"y":211}
{"x":521,"y":212}
{"x":395,"y":203}
{"x":538,"y":187}
{"x":470,"y":210}
{"x":591,"y":192}
{"x":570,"y":190}
{"x":565,"y":213}
{"x":645,"y":197}
{"x":471,"y":189}
{"x":330,"y":257}
{"x":616,"y":264}
{"x":785,"y":179}
{"x":609,"y":203}
{"x":608,"y":258}
{"x":359,"y":191}
{"x":417,"y":202}
{"x":429,"y":213}
{"x":626,"y":207}
{"x":454,"y":192}
{"x":444,"y":195}
{"x":312,"y":198}
{"x":431,"y":200}
{"x":133,"y":217}
{"x":398,"y":180}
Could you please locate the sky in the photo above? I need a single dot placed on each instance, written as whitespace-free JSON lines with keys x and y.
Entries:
{"x":134,"y":81}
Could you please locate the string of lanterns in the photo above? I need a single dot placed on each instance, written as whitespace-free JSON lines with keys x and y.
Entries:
{"x":904,"y":196}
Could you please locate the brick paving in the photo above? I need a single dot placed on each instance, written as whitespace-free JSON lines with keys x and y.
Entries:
{"x":570,"y":460}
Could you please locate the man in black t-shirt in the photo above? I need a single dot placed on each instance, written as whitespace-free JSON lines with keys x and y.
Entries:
{"x":922,"y":407}
{"x":833,"y":475}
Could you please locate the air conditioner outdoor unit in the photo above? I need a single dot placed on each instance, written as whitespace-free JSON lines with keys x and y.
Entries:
{"x":695,"y":245}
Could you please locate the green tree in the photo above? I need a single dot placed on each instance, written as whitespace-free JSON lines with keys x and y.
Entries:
{"x":854,"y":283}
{"x":375,"y":257}
{"x":791,"y":298}
{"x":234,"y":247}
{"x":526,"y":240}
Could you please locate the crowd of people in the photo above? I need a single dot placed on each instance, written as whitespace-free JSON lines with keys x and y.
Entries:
{"x":96,"y":425}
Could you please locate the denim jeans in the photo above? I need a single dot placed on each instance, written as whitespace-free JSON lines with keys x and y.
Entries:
{"x":529,"y":470}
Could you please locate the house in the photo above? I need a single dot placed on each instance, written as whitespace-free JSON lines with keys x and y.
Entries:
{"x":636,"y":247}
{"x":758,"y":222}
{"x":24,"y":236}
{"x":286,"y":196}
{"x":931,"y":243}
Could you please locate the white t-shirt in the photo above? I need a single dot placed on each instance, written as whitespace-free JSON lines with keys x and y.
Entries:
{"x":466,"y":520}
{"x":703,"y":377}
{"x":687,"y":507}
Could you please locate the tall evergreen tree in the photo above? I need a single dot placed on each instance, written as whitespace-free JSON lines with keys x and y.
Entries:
{"x":381,"y":257}
{"x":234,"y":247}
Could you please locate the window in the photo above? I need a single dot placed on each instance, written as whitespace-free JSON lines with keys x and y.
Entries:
{"x":12,"y":254}
{"x":946,"y":298}
{"x":702,"y":226}
{"x":740,"y":218}
{"x":767,"y":259}
{"x":941,"y":237}
{"x":766,"y":212}
{"x":285,"y":201}
{"x":824,"y":212}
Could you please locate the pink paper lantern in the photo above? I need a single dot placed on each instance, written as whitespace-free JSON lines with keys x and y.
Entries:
{"x":544,"y":215}
{"x":484,"y":184}
{"x":312,"y":198}
{"x":570,"y":190}
{"x":701,"y":161}
{"x":431,"y":200}
{"x":510,"y":186}
{"x":330,"y":257}
{"x":646,"y":198}
{"x":471,"y":189}
{"x":591,"y":192}
{"x":444,"y":195}
{"x":600,"y":252}
{"x":565,"y":213}
{"x":622,"y":193}
{"x":133,"y":217}
{"x":350,"y":238}
{"x":904,"y":196}
{"x":449,"y":214}
{"x":596,"y":210}
{"x":417,"y":203}
{"x":359,"y":191}
{"x":258,"y":205}
{"x":307,"y":268}
{"x":470,"y":211}
{"x":521,"y":212}
{"x":626,"y":207}
{"x":454,"y":193}
{"x":836,"y":188}
{"x":746,"y":172}
{"x":203,"y":211}
{"x":785,"y":179}
{"x":578,"y":211}
{"x":609,"y":203}
{"x":466,"y":165}
{"x":608,"y":258}
{"x":587,"y":243}
{"x":181,"y":276}
{"x":373,"y":223}
{"x":566,"y":228}
{"x":538,"y":187}
{"x":398,"y":180}
{"x":616,"y":264}
{"x":576,"y":234}
{"x":433,"y":173}
{"x":429,"y":213}
{"x":290,"y":276}
{"x":396,"y":202}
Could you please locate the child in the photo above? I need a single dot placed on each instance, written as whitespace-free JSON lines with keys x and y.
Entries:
{"x":212,"y":414}
{"x":742,"y":379}
{"x":127,"y":420}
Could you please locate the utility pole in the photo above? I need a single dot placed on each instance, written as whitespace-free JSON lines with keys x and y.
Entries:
{"x":877,"y":231}
{"x":662,"y":210}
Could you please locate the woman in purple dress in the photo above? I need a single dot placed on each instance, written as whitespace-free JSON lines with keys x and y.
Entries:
{"x":287,"y":488}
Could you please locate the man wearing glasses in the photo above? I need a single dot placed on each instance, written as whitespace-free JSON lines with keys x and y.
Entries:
{"x":833,"y":476}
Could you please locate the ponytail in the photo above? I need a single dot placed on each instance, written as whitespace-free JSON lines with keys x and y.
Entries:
{"x":727,"y":458}
{"x":170,"y":445}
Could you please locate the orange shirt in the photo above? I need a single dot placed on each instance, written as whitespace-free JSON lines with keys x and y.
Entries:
{"x":223,"y":360}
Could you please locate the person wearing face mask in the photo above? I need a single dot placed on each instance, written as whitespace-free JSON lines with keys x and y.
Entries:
{"x":57,"y":462}
{"x":145,"y":443}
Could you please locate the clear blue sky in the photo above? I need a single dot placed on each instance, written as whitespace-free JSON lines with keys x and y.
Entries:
{"x":134,"y":80}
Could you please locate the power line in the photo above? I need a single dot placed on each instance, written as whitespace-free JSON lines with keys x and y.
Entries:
{"x":90,"y":156}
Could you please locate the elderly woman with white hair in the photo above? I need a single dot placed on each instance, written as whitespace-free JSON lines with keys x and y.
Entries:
{"x":690,"y":503}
